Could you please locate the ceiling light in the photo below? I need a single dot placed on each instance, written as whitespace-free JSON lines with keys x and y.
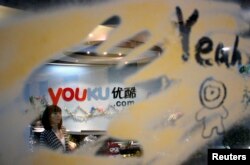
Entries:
{"x":90,"y":35}
{"x":226,"y":48}
{"x":105,"y":53}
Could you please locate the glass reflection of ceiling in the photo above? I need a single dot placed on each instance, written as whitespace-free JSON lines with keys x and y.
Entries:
{"x":87,"y":52}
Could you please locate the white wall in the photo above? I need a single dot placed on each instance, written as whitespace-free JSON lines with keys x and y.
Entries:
{"x":93,"y":113}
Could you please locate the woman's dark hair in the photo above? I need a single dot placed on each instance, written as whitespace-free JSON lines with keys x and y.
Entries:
{"x":46,"y":116}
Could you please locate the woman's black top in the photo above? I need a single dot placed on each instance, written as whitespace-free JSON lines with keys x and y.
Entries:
{"x":49,"y":139}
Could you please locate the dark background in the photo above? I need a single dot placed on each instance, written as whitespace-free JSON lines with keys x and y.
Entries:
{"x":41,"y":4}
{"x":35,"y":5}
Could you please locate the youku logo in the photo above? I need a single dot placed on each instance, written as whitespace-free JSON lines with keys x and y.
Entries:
{"x":98,"y":93}
{"x":245,"y":69}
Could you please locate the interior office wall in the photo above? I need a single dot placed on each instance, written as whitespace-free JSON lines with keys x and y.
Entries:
{"x":103,"y":101}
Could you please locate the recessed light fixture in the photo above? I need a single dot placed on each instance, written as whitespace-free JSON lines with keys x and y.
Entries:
{"x":90,"y":35}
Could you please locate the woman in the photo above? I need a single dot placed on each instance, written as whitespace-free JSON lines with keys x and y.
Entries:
{"x":54,"y":136}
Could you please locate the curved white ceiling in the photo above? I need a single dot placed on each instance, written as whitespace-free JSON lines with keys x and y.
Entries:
{"x":86,"y":53}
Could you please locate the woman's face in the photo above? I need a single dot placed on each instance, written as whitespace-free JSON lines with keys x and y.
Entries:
{"x":55,"y":118}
